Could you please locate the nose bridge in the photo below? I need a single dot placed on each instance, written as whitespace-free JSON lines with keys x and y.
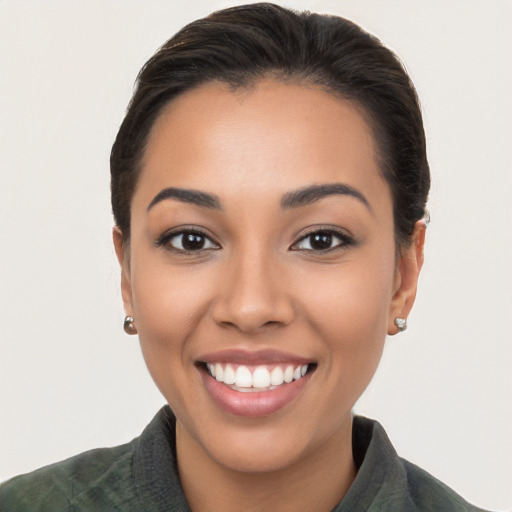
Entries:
{"x":252,"y":293}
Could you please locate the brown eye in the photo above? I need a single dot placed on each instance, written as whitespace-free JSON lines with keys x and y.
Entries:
{"x":322,"y":240}
{"x":187,"y":241}
{"x":193,"y":241}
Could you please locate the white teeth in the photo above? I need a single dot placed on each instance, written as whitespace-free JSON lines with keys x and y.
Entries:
{"x":277,"y":376}
{"x":288,"y":374}
{"x":219,"y":372}
{"x":260,"y":378}
{"x":229,"y":375}
{"x":243,"y":377}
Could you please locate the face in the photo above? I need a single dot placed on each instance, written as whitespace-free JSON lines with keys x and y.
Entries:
{"x":261,"y":270}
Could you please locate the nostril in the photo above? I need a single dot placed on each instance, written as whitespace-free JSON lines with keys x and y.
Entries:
{"x":248,"y":320}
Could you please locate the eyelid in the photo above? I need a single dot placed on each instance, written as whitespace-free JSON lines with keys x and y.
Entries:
{"x":345,"y":238}
{"x":167,"y":236}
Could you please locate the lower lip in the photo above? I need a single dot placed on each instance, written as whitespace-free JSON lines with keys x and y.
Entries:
{"x":253,"y":404}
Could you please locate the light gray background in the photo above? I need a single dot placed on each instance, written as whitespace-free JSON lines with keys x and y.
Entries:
{"x":70,"y":378}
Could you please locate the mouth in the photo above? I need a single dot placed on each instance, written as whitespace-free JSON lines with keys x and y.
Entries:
{"x":251,"y":379}
{"x":254,"y":385}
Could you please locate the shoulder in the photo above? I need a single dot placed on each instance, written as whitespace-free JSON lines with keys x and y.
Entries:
{"x":388,"y":482}
{"x":92,"y":480}
{"x":140,"y":475}
{"x":429,"y":493}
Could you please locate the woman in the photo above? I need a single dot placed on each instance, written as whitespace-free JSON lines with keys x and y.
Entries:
{"x":269,"y":184}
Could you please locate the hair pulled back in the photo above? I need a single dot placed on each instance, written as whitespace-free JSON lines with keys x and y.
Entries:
{"x":241,"y":45}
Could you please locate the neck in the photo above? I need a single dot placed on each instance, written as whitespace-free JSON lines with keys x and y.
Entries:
{"x":317,"y":481}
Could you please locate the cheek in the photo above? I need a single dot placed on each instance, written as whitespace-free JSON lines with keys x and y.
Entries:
{"x":349,"y":309}
{"x":166,"y":297}
{"x":355,"y":298}
{"x":168,"y":306}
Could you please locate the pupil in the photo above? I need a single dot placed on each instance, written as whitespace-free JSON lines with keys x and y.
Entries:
{"x":321,"y":241}
{"x":192,"y":241}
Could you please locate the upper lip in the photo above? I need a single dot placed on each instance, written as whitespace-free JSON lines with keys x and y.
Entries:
{"x":259,"y":357}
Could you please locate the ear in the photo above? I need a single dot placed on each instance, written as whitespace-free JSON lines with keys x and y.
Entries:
{"x":410,"y":261}
{"x":124,"y":263}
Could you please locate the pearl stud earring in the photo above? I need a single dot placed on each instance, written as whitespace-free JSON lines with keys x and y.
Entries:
{"x":401,"y":323}
{"x":129,"y":326}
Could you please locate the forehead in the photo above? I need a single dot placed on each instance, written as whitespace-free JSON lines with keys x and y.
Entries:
{"x":294,"y":134}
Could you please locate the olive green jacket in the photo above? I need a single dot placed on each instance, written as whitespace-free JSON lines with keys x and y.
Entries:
{"x":142,"y":476}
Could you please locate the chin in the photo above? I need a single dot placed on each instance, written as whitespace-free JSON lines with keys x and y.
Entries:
{"x":260,"y":458}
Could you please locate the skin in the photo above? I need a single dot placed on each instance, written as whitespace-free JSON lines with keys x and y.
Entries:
{"x":258,"y":285}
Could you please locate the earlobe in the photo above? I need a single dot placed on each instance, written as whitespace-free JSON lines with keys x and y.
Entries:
{"x":124,"y":263}
{"x":406,"y":280}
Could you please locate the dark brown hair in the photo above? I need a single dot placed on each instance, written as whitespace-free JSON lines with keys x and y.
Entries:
{"x":241,"y":45}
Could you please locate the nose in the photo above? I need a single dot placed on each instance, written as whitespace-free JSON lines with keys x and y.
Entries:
{"x":253,"y":295}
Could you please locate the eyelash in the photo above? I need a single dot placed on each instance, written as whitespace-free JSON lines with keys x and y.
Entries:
{"x":344,"y":240}
{"x":165,"y":240}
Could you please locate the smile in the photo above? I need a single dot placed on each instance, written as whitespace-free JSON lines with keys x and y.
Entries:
{"x":245,"y":378}
{"x":254,"y":384}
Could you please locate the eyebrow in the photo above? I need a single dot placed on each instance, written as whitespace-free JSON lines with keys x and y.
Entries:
{"x":309,"y":195}
{"x":196,"y":197}
{"x":295,"y":199}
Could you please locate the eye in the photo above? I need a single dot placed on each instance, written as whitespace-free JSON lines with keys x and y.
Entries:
{"x":187,"y":241}
{"x":322,"y":240}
